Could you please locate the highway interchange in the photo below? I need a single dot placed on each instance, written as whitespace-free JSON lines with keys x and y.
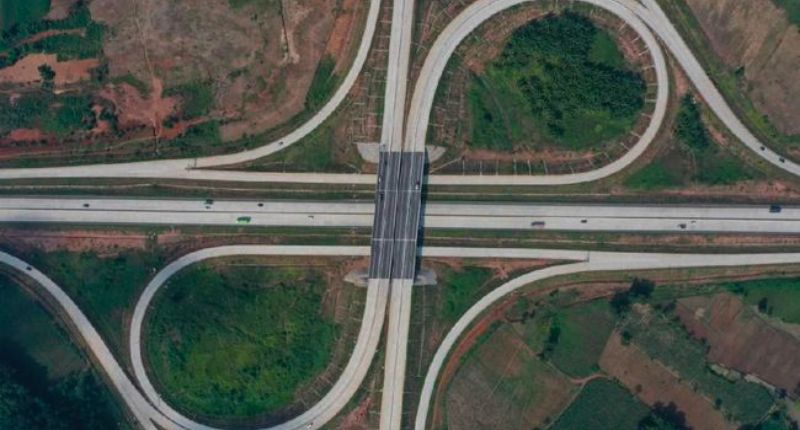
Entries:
{"x":396,"y":214}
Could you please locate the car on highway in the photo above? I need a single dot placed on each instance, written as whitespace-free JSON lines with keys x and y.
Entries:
{"x":775,"y":209}
{"x":538,"y":224}
{"x":243,"y":220}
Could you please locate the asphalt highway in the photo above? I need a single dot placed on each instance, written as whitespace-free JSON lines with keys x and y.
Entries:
{"x":464,"y":216}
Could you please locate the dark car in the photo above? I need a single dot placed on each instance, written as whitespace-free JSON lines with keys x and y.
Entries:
{"x":775,"y":209}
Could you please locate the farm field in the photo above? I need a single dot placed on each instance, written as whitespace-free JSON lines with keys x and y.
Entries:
{"x":685,"y":355}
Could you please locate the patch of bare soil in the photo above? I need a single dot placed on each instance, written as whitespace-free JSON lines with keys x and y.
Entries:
{"x":757,"y":36}
{"x":653,"y":383}
{"x":24,"y":135}
{"x":26,"y":70}
{"x":45,"y":34}
{"x":135,"y":110}
{"x":59,"y":9}
{"x":107,"y":243}
{"x":259,"y":59}
{"x":739,"y":339}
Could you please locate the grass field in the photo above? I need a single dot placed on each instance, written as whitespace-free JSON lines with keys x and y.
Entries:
{"x":461,"y":290}
{"x":776,"y":297}
{"x":524,"y":93}
{"x":667,"y":341}
{"x":45,"y":382}
{"x":694,"y":159}
{"x":22,"y":12}
{"x":105,"y":288}
{"x":323,"y":85}
{"x":237,"y":342}
{"x":603,"y":405}
{"x":792,"y":8}
{"x":584,"y":330}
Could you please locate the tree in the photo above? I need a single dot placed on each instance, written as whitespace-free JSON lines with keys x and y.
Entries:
{"x":664,"y":417}
{"x":621,"y":302}
{"x":641,"y":288}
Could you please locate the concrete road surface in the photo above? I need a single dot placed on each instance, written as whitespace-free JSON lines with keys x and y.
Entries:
{"x":466,"y":216}
{"x":597,"y":261}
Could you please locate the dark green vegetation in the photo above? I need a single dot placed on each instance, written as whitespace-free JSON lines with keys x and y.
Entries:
{"x":583,"y":331}
{"x":60,"y":115}
{"x":602,"y":404}
{"x":239,"y":341}
{"x":792,"y":8}
{"x":105,"y":288}
{"x":775,"y":297}
{"x":696,"y":160}
{"x":198,"y":139}
{"x":462,"y":289}
{"x":21,"y":12}
{"x":323,"y":85}
{"x":560,"y":78}
{"x":44,"y":381}
{"x":66,"y":46}
{"x":197,"y":98}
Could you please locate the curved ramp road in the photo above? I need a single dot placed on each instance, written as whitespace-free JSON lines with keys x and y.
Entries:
{"x":652,"y":14}
{"x":348,"y":382}
{"x":139,"y":407}
{"x":332,"y":403}
{"x":631,"y":11}
{"x":596,"y":261}
{"x":463,"y":25}
{"x":184,"y":168}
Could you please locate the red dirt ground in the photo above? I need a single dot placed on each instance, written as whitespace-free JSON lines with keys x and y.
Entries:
{"x":739,"y":339}
{"x":26,"y":70}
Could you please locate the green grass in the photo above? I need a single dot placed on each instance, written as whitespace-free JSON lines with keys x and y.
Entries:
{"x":601,"y":405}
{"x":323,"y":85}
{"x":45,"y":383}
{"x":131,"y":80}
{"x":105,"y":288}
{"x":782,"y":296}
{"x":237,"y":342}
{"x":696,"y":159}
{"x":312,"y":154}
{"x":792,"y":8}
{"x":584,"y":330}
{"x":667,"y":341}
{"x":654,"y":176}
{"x":605,"y":51}
{"x":559,"y":79}
{"x":21,"y":12}
{"x":197,"y":98}
{"x":198,"y":139}
{"x":461,"y":289}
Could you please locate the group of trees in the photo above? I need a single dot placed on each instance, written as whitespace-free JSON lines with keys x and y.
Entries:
{"x":60,"y":115}
{"x":67,"y":46}
{"x":558,"y":77}
{"x":72,"y":403}
{"x":640,"y":289}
